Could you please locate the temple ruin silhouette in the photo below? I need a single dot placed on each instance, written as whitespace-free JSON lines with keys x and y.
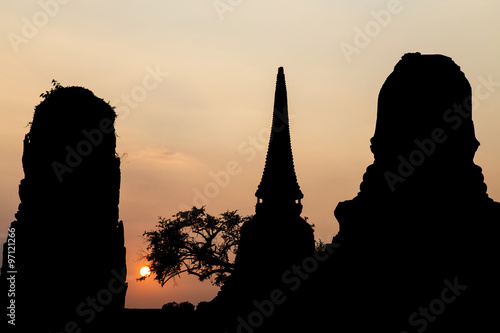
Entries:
{"x":416,"y":247}
{"x":416,"y":251}
{"x":69,"y":245}
{"x":277,"y":237}
{"x":419,"y":239}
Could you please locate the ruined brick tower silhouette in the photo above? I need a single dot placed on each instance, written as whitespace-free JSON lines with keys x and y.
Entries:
{"x":419,"y":239}
{"x":69,"y":248}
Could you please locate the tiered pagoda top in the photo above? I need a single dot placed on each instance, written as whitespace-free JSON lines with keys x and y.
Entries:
{"x":279,"y":182}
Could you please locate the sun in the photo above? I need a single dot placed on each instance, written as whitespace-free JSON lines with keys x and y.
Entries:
{"x":145,"y":271}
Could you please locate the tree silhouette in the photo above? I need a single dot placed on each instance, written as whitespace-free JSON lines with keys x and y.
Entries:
{"x":194,"y":242}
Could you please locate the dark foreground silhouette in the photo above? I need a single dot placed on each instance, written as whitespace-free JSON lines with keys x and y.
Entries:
{"x":419,"y":240}
{"x":416,"y":247}
{"x":276,"y":239}
{"x":416,"y":252}
{"x":66,"y":270}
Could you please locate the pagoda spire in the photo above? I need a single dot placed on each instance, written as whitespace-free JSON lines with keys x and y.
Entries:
{"x":279,"y":184}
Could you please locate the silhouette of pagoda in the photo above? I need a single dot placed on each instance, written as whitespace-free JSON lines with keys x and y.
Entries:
{"x":70,"y":257}
{"x":279,"y":190}
{"x":277,"y":237}
{"x":419,"y":240}
{"x":277,"y":230}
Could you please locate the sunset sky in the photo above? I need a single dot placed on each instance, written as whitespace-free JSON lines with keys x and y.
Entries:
{"x":193,"y":85}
